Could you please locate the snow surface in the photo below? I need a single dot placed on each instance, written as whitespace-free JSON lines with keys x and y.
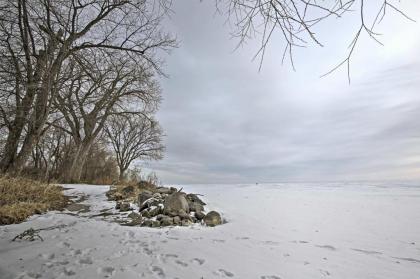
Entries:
{"x":273,"y":231}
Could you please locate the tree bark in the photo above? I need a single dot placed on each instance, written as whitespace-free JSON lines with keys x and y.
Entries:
{"x":15,"y":131}
{"x":79,"y":161}
{"x":10,"y":149}
{"x":39,"y":88}
{"x":31,"y":139}
{"x":122,"y":172}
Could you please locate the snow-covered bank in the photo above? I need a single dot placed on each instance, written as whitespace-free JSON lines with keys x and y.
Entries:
{"x":274,"y":231}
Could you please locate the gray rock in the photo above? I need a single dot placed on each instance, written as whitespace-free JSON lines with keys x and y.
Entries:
{"x":124,"y":206}
{"x":172,"y":214}
{"x":80,"y":208}
{"x":159,"y":217}
{"x":195,"y":206}
{"x":194,"y":198}
{"x":136,"y":219}
{"x":186,"y":222}
{"x":133,"y":223}
{"x":167,"y":221}
{"x":177,"y":220}
{"x":155,"y":224}
{"x":212,"y":219}
{"x":184,"y":215}
{"x":149,"y":203}
{"x":176,"y":202}
{"x":143,"y":196}
{"x":163,"y":190}
{"x":145,"y":214}
{"x":147,"y":223}
{"x":143,"y":207}
{"x":199,"y":215}
{"x":154,"y":211}
{"x":170,"y":207}
{"x":158,"y":202}
{"x":134,"y":215}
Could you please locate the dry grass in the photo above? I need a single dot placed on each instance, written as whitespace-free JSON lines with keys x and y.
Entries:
{"x":129,"y":191}
{"x":21,"y":198}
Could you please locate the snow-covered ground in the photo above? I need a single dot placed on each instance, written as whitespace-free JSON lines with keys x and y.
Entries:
{"x":274,"y":231}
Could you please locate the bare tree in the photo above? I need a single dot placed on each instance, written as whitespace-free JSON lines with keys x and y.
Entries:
{"x":100,"y":166}
{"x":134,"y":138}
{"x":37,"y":37}
{"x":296,"y":21}
{"x":99,"y":87}
{"x":46,"y":153}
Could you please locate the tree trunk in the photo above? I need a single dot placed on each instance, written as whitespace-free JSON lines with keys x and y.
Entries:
{"x":30,"y":140}
{"x":35,"y":129}
{"x":20,"y":120}
{"x":39,"y":87}
{"x":15,"y":132}
{"x":79,"y":161}
{"x":10,"y":149}
{"x":122,"y":172}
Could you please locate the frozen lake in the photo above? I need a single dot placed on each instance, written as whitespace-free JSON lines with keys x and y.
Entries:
{"x":290,"y":230}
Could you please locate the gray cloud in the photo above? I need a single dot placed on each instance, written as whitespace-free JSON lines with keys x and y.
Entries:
{"x":227,"y":122}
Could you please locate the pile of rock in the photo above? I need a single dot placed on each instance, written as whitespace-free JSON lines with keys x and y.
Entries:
{"x":165,"y":206}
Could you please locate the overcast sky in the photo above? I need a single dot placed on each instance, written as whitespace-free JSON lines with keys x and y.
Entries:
{"x":227,"y":122}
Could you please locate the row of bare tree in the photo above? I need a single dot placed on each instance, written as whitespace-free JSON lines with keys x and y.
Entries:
{"x":77,"y":73}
